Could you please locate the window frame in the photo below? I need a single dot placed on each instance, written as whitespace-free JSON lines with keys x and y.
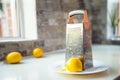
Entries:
{"x":26,"y":21}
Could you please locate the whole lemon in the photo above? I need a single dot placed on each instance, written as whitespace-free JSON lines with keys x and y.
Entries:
{"x":14,"y":57}
{"x":38,"y":52}
{"x":74,"y":64}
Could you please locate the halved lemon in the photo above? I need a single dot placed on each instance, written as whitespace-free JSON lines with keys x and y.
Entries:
{"x":74,"y":64}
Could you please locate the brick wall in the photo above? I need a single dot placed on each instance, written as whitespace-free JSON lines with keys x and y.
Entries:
{"x":98,"y":16}
{"x":51,"y":21}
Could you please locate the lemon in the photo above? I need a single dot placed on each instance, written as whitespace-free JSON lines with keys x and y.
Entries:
{"x":74,"y":64}
{"x":38,"y":52}
{"x":14,"y":57}
{"x":82,"y":60}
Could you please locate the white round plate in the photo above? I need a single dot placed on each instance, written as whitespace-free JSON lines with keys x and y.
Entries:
{"x":97,"y":67}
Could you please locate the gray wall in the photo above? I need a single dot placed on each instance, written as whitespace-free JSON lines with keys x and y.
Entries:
{"x":98,"y":16}
{"x":51,"y":21}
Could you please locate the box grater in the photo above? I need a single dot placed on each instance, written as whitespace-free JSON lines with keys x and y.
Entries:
{"x":78,"y":38}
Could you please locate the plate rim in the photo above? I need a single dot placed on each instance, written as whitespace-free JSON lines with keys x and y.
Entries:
{"x":60,"y":63}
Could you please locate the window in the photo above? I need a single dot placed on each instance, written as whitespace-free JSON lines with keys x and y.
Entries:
{"x":18,"y":20}
{"x":8,"y":27}
{"x":113,"y":19}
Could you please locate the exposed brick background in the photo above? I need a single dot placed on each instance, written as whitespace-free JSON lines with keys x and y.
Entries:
{"x":51,"y":21}
{"x":98,"y":16}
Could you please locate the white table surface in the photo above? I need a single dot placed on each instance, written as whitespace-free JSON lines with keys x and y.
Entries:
{"x":32,"y":68}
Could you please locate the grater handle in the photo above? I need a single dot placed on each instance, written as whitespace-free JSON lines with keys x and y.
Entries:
{"x":76,"y":12}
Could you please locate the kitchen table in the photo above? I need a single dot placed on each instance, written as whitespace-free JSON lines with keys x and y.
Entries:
{"x":32,"y":68}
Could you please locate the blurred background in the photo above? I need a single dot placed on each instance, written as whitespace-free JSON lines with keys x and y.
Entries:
{"x":51,"y":18}
{"x":52,"y":15}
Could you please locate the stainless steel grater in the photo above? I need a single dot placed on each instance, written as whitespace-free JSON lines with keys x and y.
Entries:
{"x":78,"y":38}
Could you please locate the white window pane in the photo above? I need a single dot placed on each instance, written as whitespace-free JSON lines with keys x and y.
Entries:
{"x":8,"y":19}
{"x":23,"y":25}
